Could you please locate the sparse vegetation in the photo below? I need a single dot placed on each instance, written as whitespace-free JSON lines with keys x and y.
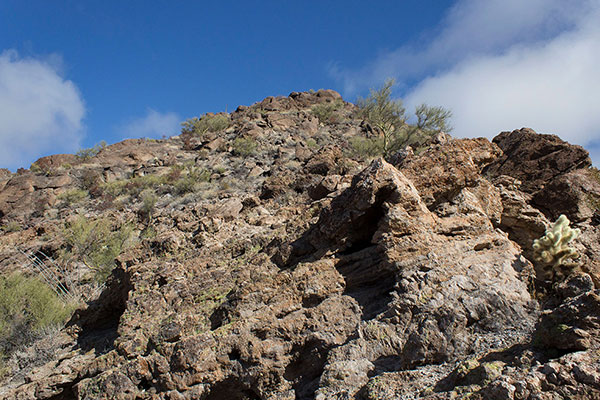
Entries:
{"x":311,"y":143}
{"x":36,"y":169}
{"x":367,"y":147}
{"x":325,"y":111}
{"x":181,"y":179}
{"x":149,"y":200}
{"x":192,"y":176}
{"x":11,"y":226}
{"x":86,"y":154}
{"x":73,"y":196}
{"x":96,"y":244}
{"x":206,"y":123}
{"x":133,"y":186}
{"x":244,"y":147}
{"x":28,"y":307}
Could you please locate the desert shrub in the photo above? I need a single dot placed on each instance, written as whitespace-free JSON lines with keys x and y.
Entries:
{"x":36,"y":169}
{"x":96,"y":243}
{"x":180,"y":179}
{"x":244,"y":147}
{"x":73,"y":196}
{"x":149,"y":200}
{"x":86,"y":154}
{"x":311,"y":143}
{"x":27,"y":307}
{"x":190,"y":179}
{"x":366,"y":148}
{"x":206,"y":123}
{"x":11,"y":226}
{"x":325,"y":111}
{"x":134,"y":186}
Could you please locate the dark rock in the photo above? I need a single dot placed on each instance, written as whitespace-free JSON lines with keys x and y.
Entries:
{"x":573,"y":326}
{"x":536,"y":159}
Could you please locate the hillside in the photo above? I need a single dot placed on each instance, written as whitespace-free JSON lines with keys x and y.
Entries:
{"x":261,"y":255}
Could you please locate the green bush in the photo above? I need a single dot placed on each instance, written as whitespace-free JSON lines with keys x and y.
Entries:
{"x":12,"y":226}
{"x":181,"y":179}
{"x":27,"y":307}
{"x":366,"y":148}
{"x":325,"y":111}
{"x":149,"y":200}
{"x":73,"y":196}
{"x":190,"y":178}
{"x":134,"y":186}
{"x":86,"y":154}
{"x":206,"y":123}
{"x":96,"y":244}
{"x":244,"y":147}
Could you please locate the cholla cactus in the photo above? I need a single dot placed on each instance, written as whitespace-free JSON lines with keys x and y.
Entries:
{"x":553,"y":252}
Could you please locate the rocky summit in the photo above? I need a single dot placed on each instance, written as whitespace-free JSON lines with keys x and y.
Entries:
{"x":260,"y":255}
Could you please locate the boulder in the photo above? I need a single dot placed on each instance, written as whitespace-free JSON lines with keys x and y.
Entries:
{"x":536,"y":159}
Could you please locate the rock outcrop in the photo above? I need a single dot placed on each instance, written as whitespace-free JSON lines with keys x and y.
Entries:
{"x":293,"y":269}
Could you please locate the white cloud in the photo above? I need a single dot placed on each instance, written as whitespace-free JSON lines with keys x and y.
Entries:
{"x":40,"y":112}
{"x":471,"y":27}
{"x":501,"y":65}
{"x":552,"y":86}
{"x":153,"y":125}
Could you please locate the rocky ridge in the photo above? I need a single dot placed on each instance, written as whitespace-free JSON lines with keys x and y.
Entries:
{"x":293,"y":268}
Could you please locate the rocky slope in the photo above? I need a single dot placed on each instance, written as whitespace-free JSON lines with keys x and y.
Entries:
{"x":284,"y":266}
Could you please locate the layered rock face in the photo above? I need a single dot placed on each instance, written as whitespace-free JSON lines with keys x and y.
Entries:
{"x":311,"y":273}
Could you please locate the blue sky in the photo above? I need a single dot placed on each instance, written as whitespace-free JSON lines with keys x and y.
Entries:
{"x":73,"y":73}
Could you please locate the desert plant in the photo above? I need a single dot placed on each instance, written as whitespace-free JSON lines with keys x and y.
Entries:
{"x":433,"y":119}
{"x":73,"y":196}
{"x":96,"y":244}
{"x":388,"y":117}
{"x":385,"y":114}
{"x":27,"y":307}
{"x":552,"y":250}
{"x":206,"y":123}
{"x":244,"y":147}
{"x":149,"y":200}
{"x":36,"y":169}
{"x":325,"y":111}
{"x":366,"y":148}
{"x":12,"y":226}
{"x":86,"y":154}
{"x":191,"y":176}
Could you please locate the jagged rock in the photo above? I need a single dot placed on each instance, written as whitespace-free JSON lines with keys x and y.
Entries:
{"x":4,"y":173}
{"x":53,"y":162}
{"x":446,"y":167}
{"x":325,"y":161}
{"x":536,"y":159}
{"x":574,"y":325}
{"x":325,"y":186}
{"x":575,"y":194}
{"x":521,"y":221}
{"x":298,"y":272}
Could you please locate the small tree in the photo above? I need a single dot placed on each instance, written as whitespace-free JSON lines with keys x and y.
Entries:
{"x":389,"y":118}
{"x":385,"y":114}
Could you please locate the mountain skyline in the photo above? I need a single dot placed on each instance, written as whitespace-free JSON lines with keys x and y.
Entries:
{"x":73,"y":74}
